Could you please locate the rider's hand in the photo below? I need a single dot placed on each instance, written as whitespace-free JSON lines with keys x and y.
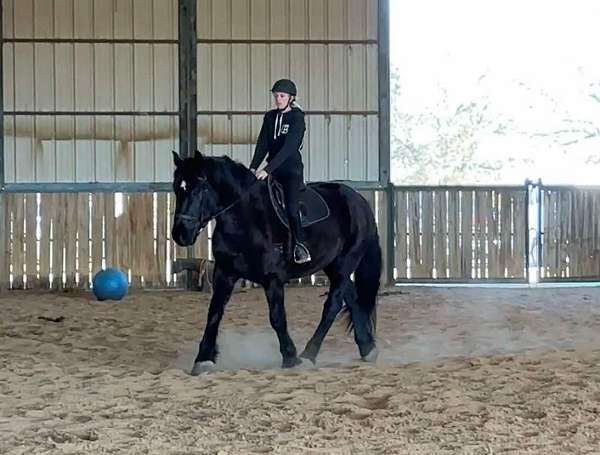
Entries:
{"x":261,"y":175}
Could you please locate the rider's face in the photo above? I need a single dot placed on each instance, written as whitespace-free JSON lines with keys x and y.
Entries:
{"x":281,"y":99}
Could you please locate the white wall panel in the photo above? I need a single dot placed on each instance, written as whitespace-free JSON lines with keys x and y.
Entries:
{"x":8,"y":74}
{"x":356,"y":18}
{"x":221,"y":19}
{"x":221,"y":77}
{"x":331,"y":77}
{"x":337,"y":150}
{"x":298,"y":28}
{"x":8,"y":14}
{"x":259,"y":19}
{"x":84,"y":18}
{"x":44,"y":76}
{"x":9,"y":148}
{"x":279,"y":19}
{"x":259,"y":83}
{"x":103,"y":20}
{"x":64,"y":146}
{"x":240,"y":19}
{"x":280,"y":62}
{"x":337,"y":78}
{"x":317,"y":19}
{"x":45,"y":149}
{"x":337,"y":12}
{"x":63,"y":66}
{"x":84,"y":149}
{"x":372,"y":148}
{"x":24,"y":77}
{"x":143,"y":77}
{"x":241,"y":76}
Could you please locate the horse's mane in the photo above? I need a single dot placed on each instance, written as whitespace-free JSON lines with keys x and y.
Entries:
{"x":227,"y":174}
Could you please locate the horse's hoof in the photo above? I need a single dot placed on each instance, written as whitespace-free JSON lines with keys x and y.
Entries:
{"x":312,"y":359}
{"x":291,"y":362}
{"x":371,"y":357}
{"x":203,"y":367}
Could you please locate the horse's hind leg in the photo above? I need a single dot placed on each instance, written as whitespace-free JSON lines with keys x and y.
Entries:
{"x":338,"y":284}
{"x":363,"y":335}
{"x":275,"y":298}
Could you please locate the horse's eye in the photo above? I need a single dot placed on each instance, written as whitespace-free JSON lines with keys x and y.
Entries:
{"x":201,"y":178}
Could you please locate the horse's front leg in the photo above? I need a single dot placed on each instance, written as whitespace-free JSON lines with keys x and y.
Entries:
{"x":223,"y":284}
{"x":275,"y":296}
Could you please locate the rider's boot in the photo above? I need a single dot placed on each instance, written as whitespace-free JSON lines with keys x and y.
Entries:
{"x":301,"y":253}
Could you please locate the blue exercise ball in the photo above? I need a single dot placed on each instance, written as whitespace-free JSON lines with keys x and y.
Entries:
{"x":110,"y":284}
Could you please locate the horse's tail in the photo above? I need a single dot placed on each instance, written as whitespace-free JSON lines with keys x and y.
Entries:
{"x":366,"y":280}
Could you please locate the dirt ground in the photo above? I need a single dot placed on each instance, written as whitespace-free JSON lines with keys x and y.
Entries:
{"x":461,"y":371}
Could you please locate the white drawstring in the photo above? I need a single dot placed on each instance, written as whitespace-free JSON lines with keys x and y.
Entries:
{"x":280,"y":125}
{"x":276,"y":131}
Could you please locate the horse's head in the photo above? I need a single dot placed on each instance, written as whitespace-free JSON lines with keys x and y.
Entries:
{"x":195,"y":199}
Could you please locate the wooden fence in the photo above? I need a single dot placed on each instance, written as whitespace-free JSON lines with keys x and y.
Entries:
{"x":60,"y":240}
{"x":570,"y":233}
{"x":461,"y":233}
{"x":56,"y":240}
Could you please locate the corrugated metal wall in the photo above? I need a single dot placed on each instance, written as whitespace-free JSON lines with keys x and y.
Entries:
{"x":46,"y":70}
{"x":329,"y":47}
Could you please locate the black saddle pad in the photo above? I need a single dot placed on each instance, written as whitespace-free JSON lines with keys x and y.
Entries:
{"x":313,"y":207}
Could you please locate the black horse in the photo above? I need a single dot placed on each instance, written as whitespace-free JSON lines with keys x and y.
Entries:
{"x":250,"y":242}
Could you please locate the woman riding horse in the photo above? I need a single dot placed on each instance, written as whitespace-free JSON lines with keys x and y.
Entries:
{"x":248,"y":235}
{"x":281,"y":136}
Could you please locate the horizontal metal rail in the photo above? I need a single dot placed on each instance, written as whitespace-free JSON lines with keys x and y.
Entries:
{"x":199,"y":41}
{"x":459,"y":188}
{"x":129,"y":187}
{"x":169,"y":113}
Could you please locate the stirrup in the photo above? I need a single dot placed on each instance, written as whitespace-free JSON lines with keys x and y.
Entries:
{"x":301,"y":260}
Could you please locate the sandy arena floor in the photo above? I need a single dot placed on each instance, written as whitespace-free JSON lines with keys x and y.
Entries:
{"x":461,"y":371}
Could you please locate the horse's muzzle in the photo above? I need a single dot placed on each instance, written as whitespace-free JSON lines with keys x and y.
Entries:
{"x":185,"y":229}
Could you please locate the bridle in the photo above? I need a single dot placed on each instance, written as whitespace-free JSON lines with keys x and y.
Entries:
{"x":181,"y":216}
{"x":215,"y":215}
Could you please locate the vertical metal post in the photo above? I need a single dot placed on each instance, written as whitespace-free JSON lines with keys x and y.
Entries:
{"x":391,"y":225}
{"x":3,"y":234}
{"x":187,"y":78}
{"x":188,"y":110}
{"x":527,"y":246}
{"x":539,"y":229}
{"x":2,"y":176}
{"x":4,"y":247}
{"x":383,"y":63}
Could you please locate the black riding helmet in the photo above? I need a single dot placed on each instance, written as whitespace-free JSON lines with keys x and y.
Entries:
{"x":285,"y":86}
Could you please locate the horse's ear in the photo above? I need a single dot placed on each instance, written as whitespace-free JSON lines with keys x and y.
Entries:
{"x":177,"y":159}
{"x":198,"y":156}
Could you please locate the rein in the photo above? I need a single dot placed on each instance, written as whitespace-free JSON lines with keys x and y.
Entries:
{"x":220,"y":212}
{"x":230,"y":206}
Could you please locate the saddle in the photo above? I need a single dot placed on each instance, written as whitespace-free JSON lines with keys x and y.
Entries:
{"x":313,"y":207}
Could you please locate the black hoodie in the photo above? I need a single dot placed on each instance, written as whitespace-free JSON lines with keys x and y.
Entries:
{"x":281,"y":135}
